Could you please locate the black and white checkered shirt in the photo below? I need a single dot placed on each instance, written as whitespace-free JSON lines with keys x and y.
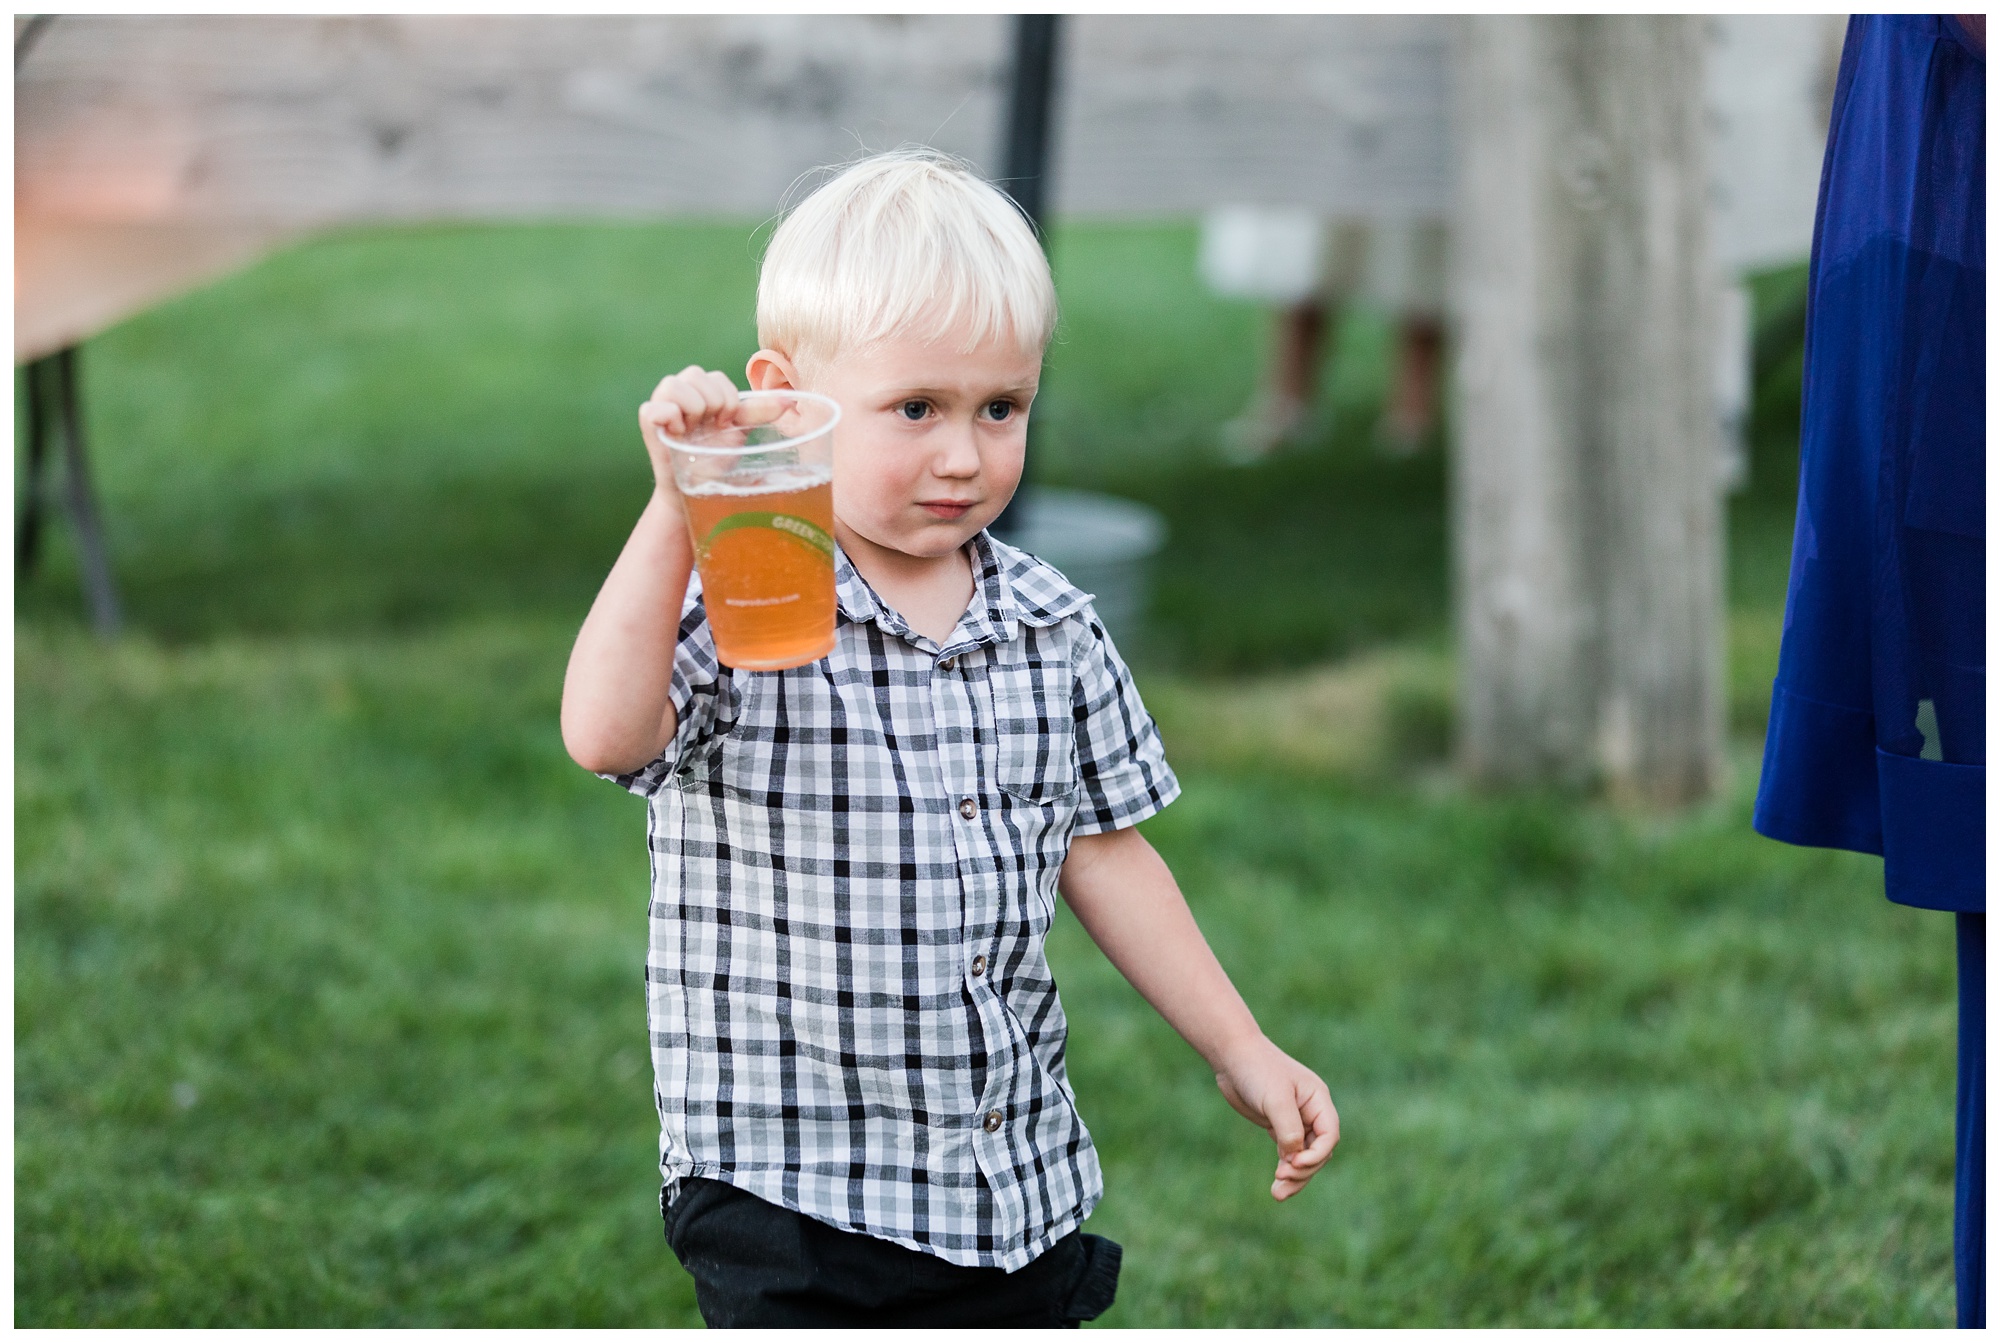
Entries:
{"x":854,"y":873}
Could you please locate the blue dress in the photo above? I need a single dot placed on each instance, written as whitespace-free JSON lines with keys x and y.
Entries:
{"x":1877,"y":739}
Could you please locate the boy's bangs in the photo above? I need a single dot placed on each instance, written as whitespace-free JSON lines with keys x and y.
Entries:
{"x":904,"y":245}
{"x":932,"y":289}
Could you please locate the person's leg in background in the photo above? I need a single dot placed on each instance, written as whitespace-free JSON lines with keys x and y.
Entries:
{"x":1298,"y":347}
{"x":1969,"y":1238}
{"x":1406,"y":276}
{"x":1410,"y":413}
{"x":1305,"y":268}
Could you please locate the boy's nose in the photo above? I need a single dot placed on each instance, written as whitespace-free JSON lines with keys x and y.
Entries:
{"x":958,"y":455}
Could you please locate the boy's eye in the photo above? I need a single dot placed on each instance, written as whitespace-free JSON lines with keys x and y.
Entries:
{"x":999,"y":410}
{"x":914,"y":410}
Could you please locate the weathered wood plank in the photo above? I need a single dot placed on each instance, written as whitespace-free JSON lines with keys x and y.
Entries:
{"x":1348,"y":114}
{"x":151,"y":150}
{"x":313,"y":120}
{"x":318,"y":119}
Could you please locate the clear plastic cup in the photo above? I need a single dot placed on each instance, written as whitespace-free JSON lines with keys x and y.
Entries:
{"x":759,"y":497}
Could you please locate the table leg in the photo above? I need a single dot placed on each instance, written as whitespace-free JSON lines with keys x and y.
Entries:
{"x":53,"y":404}
{"x":28,"y":540}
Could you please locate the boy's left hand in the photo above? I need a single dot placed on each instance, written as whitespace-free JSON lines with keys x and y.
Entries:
{"x":1273,"y":1090}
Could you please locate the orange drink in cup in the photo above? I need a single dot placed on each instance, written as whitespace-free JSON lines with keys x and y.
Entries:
{"x":759,"y":497}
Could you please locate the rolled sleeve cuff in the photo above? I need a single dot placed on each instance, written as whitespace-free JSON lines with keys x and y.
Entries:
{"x":1149,"y":792}
{"x":1819,"y":785}
{"x":691,"y":717}
{"x":1934,"y":830}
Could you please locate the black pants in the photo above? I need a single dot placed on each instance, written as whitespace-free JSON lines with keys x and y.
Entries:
{"x":757,"y":1265}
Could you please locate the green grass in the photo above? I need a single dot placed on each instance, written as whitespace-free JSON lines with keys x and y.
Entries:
{"x":328,"y":1000}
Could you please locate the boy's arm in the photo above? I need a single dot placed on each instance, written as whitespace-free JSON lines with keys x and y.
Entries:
{"x":617,"y":710}
{"x":1129,"y":903}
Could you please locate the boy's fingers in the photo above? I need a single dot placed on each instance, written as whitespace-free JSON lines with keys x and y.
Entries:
{"x":1316,"y":1154}
{"x":762,"y":412}
{"x":663,"y":415}
{"x":693,"y":400}
{"x":721,"y":392}
{"x":692,"y":390}
{"x":1316,"y":1117}
{"x":1324,"y":1122}
{"x":695,"y":393}
{"x":1287,"y":1129}
{"x":718,"y":395}
{"x":1318,"y":1111}
{"x":1309,"y":1160}
{"x":666,"y":387}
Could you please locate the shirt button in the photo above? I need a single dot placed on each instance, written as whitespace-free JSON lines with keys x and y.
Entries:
{"x":946,"y":664}
{"x":993,"y":1121}
{"x":978,"y":966}
{"x":968,"y":808}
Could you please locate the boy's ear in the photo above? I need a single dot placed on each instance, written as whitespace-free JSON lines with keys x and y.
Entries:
{"x":771,"y":371}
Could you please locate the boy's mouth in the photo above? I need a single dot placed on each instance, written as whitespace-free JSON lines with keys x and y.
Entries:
{"x":948,"y":510}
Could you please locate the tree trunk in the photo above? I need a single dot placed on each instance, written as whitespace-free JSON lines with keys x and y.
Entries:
{"x":1587,"y":507}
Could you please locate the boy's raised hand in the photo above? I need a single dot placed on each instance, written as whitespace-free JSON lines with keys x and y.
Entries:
{"x":1273,"y":1090}
{"x":683,"y":403}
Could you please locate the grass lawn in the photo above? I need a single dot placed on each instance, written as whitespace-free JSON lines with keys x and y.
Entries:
{"x":328,"y":1001}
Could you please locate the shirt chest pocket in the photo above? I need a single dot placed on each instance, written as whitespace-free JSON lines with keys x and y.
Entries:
{"x":1034,"y":733}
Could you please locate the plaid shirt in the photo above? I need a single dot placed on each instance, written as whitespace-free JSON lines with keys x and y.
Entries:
{"x":854,"y":873}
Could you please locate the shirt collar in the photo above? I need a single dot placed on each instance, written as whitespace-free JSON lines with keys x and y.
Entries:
{"x":1001,"y":601}
{"x":856,"y":600}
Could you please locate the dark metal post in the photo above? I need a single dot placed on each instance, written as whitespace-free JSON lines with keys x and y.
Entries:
{"x":1028,"y":113}
{"x":1027,"y":161}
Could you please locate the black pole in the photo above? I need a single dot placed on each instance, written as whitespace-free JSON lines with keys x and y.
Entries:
{"x":1027,"y":162}
{"x":1028,"y":114}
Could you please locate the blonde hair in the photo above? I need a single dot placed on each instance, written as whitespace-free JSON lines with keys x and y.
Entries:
{"x":911,"y":242}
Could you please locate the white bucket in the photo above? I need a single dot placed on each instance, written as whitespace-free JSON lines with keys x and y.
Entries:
{"x":1101,"y":543}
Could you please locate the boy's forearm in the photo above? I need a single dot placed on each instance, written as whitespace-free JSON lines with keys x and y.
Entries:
{"x":616,"y":710}
{"x":1128,"y":901}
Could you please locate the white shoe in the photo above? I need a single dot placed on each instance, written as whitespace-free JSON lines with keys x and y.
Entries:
{"x":1264,"y":426}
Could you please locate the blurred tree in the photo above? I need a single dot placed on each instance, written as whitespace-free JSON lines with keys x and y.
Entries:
{"x":1586,"y":495}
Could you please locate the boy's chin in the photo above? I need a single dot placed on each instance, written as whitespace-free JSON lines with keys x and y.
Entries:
{"x":932,"y":541}
{"x":937,"y":541}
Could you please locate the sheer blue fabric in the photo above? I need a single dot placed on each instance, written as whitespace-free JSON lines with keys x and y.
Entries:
{"x":1877,"y":739}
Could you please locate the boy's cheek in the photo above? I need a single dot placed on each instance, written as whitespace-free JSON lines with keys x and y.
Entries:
{"x":1003,"y":473}
{"x":865,"y":484}
{"x":1010,"y":463}
{"x":860,"y":475}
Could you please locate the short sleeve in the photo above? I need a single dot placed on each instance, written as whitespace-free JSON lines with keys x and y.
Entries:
{"x":696,"y":692}
{"x":1121,"y":760}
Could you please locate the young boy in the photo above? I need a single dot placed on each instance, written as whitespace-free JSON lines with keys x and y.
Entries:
{"x":857,"y":1044}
